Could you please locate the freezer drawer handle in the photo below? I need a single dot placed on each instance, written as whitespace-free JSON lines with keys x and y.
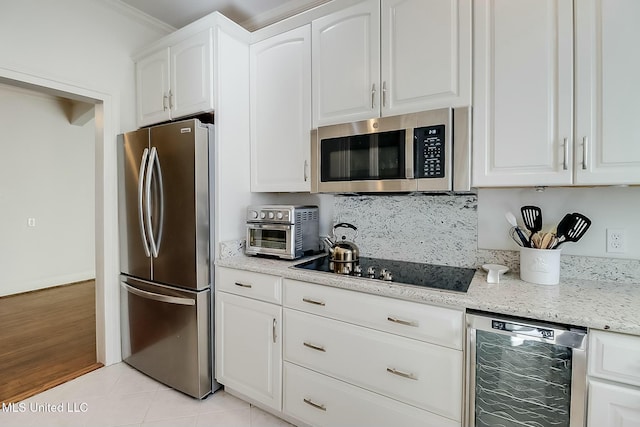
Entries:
{"x":242,"y":285}
{"x":401,"y":374}
{"x":159,"y":297}
{"x":315,"y":405}
{"x":402,"y":322}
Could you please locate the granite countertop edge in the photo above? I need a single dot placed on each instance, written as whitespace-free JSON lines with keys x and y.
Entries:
{"x":592,"y":304}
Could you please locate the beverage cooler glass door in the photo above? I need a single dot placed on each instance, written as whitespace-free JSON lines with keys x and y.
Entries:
{"x":525,"y":374}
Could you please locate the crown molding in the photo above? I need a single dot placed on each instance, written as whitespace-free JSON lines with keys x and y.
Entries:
{"x":140,"y":16}
{"x":287,"y":10}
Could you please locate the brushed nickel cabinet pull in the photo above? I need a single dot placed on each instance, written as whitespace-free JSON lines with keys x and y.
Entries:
{"x":242,"y":285}
{"x":373,"y":95}
{"x":402,"y":374}
{"x":315,"y":405}
{"x":585,"y":140}
{"x":274,"y":330}
{"x":384,"y":94}
{"x":170,"y":100}
{"x":402,"y":322}
{"x":314,"y":347}
{"x":565,"y":165}
{"x":165,"y":98}
{"x":311,"y":301}
{"x":306,"y":168}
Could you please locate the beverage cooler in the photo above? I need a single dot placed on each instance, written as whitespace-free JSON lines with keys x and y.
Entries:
{"x":525,"y":373}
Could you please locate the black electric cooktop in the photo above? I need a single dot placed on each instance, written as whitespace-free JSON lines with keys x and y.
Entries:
{"x":441,"y":277}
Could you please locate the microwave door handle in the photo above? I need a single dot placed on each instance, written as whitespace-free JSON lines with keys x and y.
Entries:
{"x":409,"y":158}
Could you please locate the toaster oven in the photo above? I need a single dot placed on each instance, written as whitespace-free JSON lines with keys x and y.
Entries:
{"x":282,"y":231}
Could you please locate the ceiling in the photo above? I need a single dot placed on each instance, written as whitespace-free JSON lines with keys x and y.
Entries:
{"x":251,"y":14}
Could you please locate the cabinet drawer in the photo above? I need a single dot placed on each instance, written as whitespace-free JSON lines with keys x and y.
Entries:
{"x":614,"y":357}
{"x":264,"y":287}
{"x":418,"y":373}
{"x":319,"y":400}
{"x":437,"y":325}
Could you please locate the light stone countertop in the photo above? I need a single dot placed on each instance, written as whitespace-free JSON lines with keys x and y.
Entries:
{"x":599,"y":305}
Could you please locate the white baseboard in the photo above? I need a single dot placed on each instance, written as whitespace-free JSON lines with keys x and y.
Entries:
{"x":17,"y":288}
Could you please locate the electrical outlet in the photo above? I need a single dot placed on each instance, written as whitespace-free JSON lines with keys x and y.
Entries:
{"x":616,"y":240}
{"x":31,"y":222}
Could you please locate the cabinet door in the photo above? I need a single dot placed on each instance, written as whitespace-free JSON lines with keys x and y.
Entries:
{"x":436,"y":75}
{"x":152,"y":88}
{"x":346,"y":64}
{"x":191,"y":78}
{"x":281,"y":112}
{"x":248,"y":351}
{"x":607,"y":95}
{"x":523,"y":93}
{"x":613,"y":405}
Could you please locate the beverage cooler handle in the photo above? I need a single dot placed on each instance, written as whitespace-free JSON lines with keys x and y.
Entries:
{"x":141,"y":223}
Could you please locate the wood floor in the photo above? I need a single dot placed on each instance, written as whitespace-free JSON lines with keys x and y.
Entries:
{"x":47,"y":337}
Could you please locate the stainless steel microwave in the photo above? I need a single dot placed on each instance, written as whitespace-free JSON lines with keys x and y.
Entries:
{"x":429,"y":151}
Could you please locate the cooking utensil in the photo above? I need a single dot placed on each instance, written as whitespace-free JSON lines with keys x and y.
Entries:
{"x":532,"y":217}
{"x":572,"y":228}
{"x":546,"y":240}
{"x":515,"y":229}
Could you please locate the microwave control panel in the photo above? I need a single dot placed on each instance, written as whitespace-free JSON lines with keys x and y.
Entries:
{"x":429,"y":151}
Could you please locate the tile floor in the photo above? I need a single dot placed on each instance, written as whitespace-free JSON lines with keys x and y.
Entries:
{"x":118,"y":395}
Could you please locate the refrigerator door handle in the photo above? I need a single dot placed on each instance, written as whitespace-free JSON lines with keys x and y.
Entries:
{"x":158,"y":297}
{"x":141,"y":223}
{"x":158,"y":177}
{"x":149,"y":176}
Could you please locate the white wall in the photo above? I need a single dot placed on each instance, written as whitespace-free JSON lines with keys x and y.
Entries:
{"x":607,"y":207}
{"x":46,"y":173}
{"x":87,"y":43}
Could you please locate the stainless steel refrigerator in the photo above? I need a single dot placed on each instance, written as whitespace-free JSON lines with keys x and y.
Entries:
{"x":165,"y":206}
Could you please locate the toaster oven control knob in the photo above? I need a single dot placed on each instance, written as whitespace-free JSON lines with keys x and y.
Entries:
{"x":279,"y":215}
{"x":254,"y":215}
{"x":270,"y":215}
{"x":263,"y":215}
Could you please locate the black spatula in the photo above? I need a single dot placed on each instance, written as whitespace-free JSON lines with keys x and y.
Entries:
{"x":572,"y":228}
{"x":532,"y":217}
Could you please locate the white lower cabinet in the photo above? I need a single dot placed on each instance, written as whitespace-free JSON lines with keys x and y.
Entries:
{"x":248,"y":343}
{"x":613,"y":405}
{"x":319,"y":400}
{"x":614,"y":380}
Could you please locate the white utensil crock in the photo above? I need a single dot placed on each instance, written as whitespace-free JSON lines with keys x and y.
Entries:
{"x":540,"y":266}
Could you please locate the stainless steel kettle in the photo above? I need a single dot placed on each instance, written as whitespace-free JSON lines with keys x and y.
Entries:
{"x":344,"y":255}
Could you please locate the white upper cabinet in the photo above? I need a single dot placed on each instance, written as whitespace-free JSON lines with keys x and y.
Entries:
{"x":191,"y":75}
{"x":607,"y":136}
{"x":346,"y":64}
{"x":529,"y":127}
{"x":175,"y":81}
{"x":280,"y":87}
{"x":152,"y":86}
{"x":426,"y":55}
{"x":523,"y":92}
{"x":387,"y":57}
